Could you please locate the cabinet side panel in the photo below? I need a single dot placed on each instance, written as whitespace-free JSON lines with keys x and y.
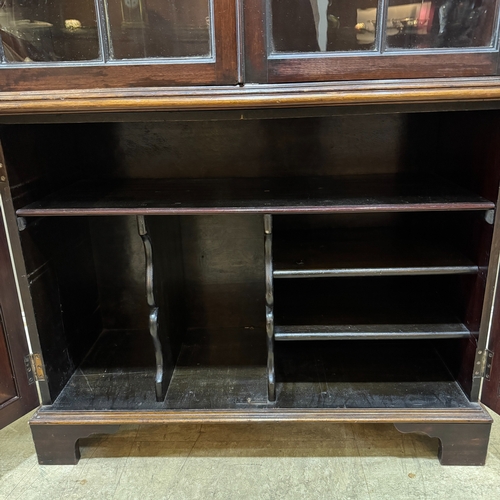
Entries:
{"x":469,"y":155}
{"x":61,"y":277}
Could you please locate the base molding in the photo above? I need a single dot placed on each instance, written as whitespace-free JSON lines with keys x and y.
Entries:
{"x":463,"y":432}
{"x":472,"y":414}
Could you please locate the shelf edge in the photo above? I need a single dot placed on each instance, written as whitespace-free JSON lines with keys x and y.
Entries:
{"x":430,"y":207}
{"x":374,"y":332}
{"x":396,"y":271}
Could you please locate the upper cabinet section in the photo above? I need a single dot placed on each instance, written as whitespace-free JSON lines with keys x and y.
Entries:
{"x":52,"y":44}
{"x":89,"y":44}
{"x":321,"y":40}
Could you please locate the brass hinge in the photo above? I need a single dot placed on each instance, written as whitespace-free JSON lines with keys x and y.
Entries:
{"x":483,"y":363}
{"x":34,"y":368}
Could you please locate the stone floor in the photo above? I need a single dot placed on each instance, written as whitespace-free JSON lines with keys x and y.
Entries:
{"x":247,"y":461}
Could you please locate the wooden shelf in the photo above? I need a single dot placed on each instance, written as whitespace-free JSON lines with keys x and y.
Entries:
{"x":226,"y":370}
{"x":414,"y":307}
{"x":256,"y":195}
{"x":372,"y":332}
{"x":385,"y":251}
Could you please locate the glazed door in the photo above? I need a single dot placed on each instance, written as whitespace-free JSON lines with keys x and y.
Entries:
{"x":321,"y":40}
{"x":75,"y":44}
{"x":17,"y":396}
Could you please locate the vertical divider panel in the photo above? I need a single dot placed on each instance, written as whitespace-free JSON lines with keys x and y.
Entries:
{"x":271,"y":378}
{"x":153,"y":312}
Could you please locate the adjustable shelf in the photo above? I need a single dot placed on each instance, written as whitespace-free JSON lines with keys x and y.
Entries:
{"x":363,"y":308}
{"x":362,"y":193}
{"x":385,"y":251}
{"x":372,"y":332}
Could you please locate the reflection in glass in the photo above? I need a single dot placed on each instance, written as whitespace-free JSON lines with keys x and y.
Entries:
{"x":48,"y":30}
{"x":440,"y":23}
{"x":323,"y":25}
{"x":159,"y":28}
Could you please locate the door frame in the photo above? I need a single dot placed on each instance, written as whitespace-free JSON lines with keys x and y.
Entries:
{"x":26,"y":398}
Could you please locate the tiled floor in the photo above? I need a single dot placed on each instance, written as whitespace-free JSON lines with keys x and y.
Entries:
{"x":258,"y":461}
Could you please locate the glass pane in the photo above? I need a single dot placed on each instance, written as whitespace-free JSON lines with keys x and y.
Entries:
{"x":160,"y":28}
{"x":323,"y":25}
{"x":440,"y":24}
{"x":48,"y":30}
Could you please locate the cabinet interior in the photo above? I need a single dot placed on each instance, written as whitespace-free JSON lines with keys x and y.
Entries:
{"x":380,"y":257}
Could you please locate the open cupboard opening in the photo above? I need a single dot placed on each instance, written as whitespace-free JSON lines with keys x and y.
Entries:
{"x":323,"y":262}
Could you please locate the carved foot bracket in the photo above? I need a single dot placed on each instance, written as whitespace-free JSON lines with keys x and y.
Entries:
{"x":459,"y":443}
{"x":58,"y":444}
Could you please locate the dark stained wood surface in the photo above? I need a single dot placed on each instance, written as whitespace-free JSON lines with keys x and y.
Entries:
{"x":92,"y":75}
{"x":273,"y":195}
{"x":406,"y":373}
{"x":472,"y":156}
{"x":286,"y":70}
{"x":459,"y":444}
{"x":62,"y":282}
{"x":226,"y":370}
{"x":382,"y":251}
{"x":413,"y":301}
{"x":58,"y":445}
